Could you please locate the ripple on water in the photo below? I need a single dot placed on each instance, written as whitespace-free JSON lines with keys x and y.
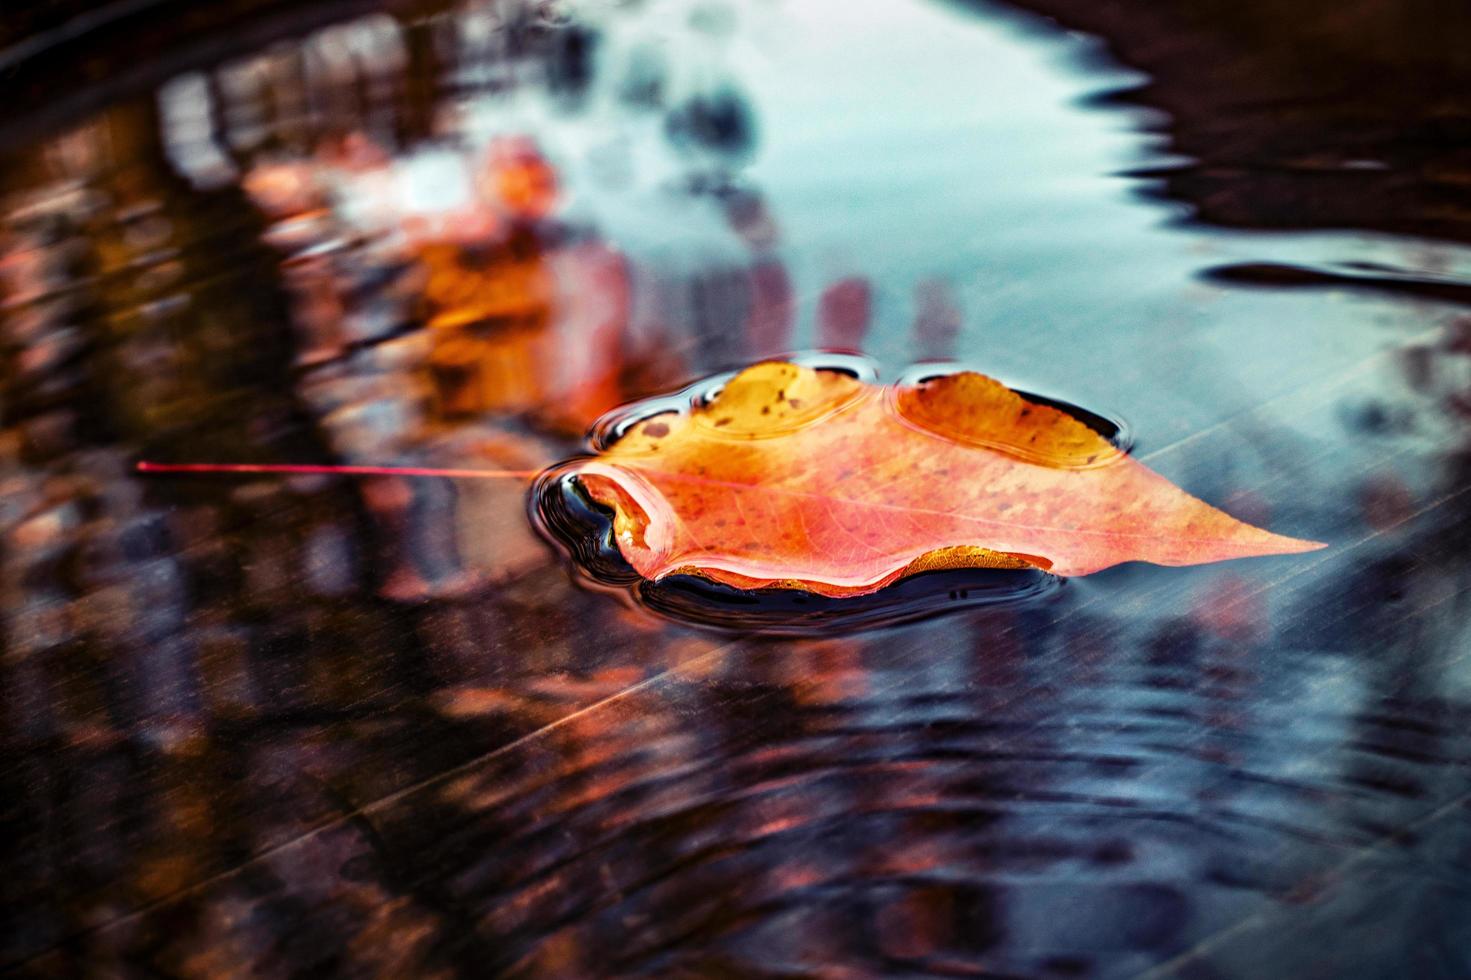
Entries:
{"x":901,"y":824}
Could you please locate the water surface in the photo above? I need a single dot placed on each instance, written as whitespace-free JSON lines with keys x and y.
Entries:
{"x":375,"y":726}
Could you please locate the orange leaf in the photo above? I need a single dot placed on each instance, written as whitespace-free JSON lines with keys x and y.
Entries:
{"x":813,"y":480}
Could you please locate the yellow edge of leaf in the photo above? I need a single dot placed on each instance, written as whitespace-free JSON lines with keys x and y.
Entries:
{"x":938,"y":560}
{"x":969,"y":556}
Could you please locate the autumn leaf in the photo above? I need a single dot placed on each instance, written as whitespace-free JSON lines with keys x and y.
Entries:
{"x":813,"y":480}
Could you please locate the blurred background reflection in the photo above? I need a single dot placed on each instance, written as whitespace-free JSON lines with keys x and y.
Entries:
{"x":373,"y":726}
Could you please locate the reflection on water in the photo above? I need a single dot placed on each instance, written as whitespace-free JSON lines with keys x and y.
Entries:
{"x":276,"y":726}
{"x":1335,"y":117}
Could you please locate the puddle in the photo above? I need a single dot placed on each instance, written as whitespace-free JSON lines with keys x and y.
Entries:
{"x":371,"y":240}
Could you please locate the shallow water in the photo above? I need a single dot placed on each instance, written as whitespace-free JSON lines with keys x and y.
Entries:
{"x":376,"y":726}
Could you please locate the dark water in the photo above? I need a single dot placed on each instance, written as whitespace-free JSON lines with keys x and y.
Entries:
{"x":375,"y":726}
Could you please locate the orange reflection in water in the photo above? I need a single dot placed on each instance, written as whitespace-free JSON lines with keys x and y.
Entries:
{"x":534,"y":319}
{"x":521,"y":178}
{"x":489,"y":312}
{"x":520,"y":313}
{"x":518,"y":327}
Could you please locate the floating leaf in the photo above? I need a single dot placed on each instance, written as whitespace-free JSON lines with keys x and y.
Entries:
{"x":813,"y":480}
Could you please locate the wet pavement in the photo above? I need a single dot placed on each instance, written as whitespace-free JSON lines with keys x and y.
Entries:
{"x":371,"y":725}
